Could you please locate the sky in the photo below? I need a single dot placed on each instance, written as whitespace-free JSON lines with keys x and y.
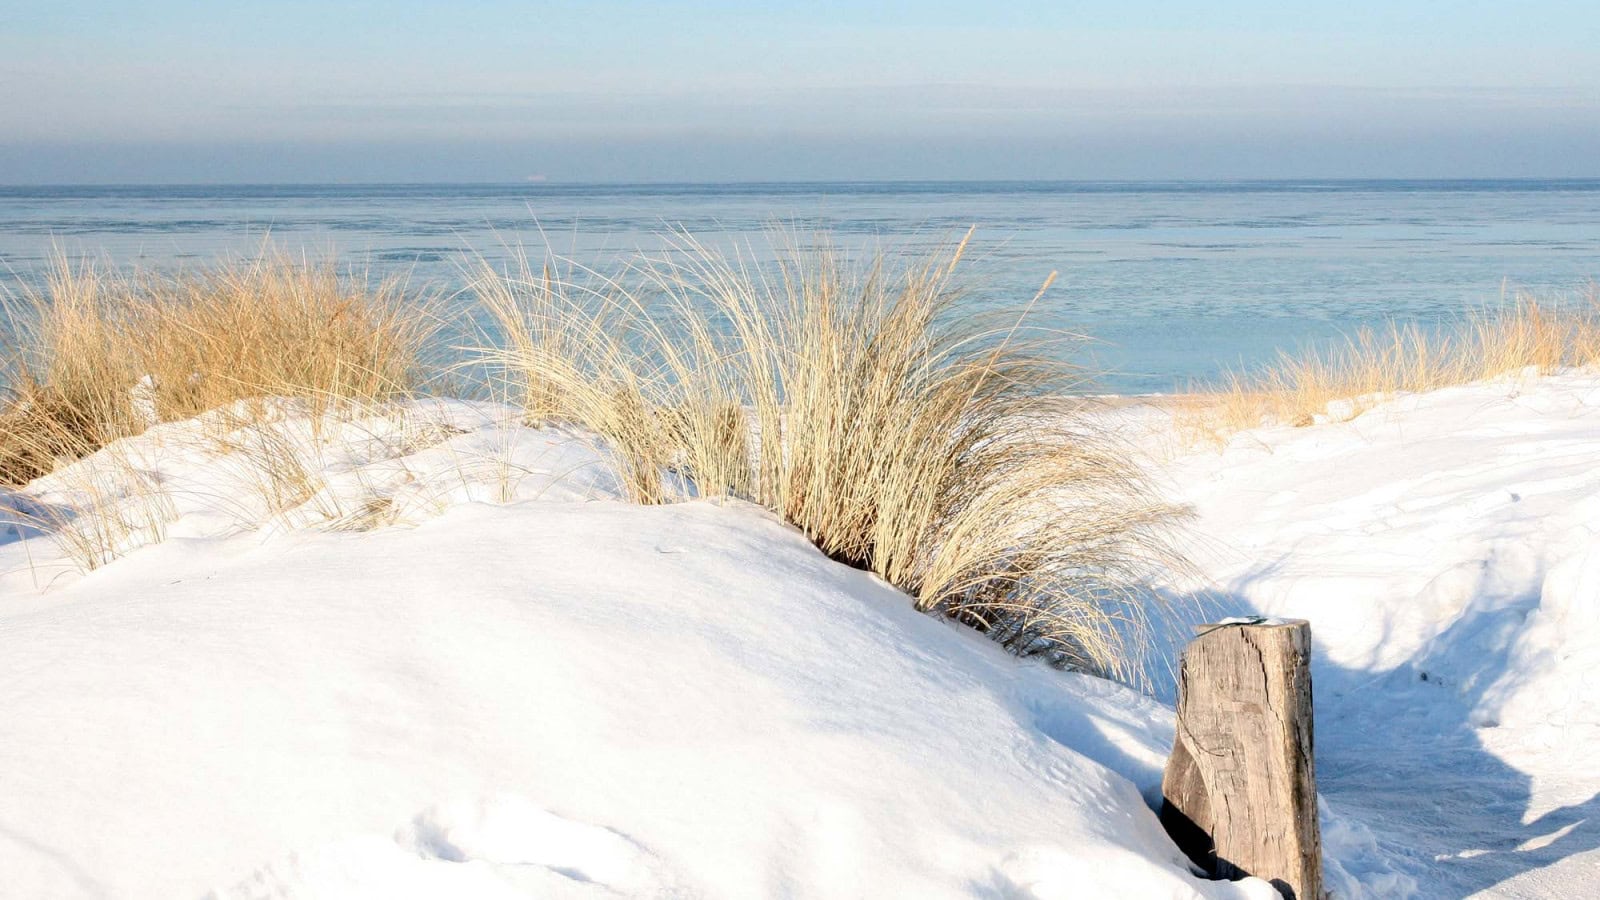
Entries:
{"x":293,"y":91}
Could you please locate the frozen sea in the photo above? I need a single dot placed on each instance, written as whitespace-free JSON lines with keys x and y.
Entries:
{"x":1177,"y":281}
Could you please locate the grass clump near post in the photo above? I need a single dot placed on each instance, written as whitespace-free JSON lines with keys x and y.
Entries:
{"x":95,"y":356}
{"x":1526,"y":335}
{"x":903,"y":435}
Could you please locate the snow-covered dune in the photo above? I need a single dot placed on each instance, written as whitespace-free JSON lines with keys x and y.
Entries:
{"x":552,"y":696}
{"x":457,"y":667}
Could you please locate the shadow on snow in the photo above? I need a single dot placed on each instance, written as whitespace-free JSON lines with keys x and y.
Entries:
{"x":1403,"y":752}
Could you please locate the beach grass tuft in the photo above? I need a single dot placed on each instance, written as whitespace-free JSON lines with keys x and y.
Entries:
{"x":94,"y":356}
{"x":946,"y":452}
{"x":1527,"y":335}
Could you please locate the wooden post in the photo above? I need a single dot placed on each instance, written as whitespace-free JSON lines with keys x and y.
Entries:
{"x":1240,"y":789}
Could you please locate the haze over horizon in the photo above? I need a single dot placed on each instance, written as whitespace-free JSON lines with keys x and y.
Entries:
{"x":183,"y":92}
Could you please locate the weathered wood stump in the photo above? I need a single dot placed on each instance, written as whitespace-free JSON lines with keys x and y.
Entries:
{"x":1240,"y":787}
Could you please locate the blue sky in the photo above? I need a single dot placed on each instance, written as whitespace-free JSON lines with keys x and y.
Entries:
{"x":165,"y":90}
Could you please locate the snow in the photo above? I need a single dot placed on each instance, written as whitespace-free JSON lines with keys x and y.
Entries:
{"x":556,"y":695}
{"x":458,"y":666}
{"x":1446,"y":549}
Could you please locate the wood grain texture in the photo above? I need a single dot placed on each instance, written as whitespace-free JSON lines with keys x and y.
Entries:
{"x":1240,"y":787}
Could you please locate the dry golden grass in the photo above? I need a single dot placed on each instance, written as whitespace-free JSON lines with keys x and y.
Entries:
{"x":96,"y":510}
{"x":296,"y":466}
{"x":95,"y":357}
{"x":1339,"y":384}
{"x":284,"y":470}
{"x":939,"y":450}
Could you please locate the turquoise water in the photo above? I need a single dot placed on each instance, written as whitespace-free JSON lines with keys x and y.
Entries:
{"x":1177,"y":281}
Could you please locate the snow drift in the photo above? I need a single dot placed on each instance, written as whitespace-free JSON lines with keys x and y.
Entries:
{"x":553,"y":696}
{"x":456,"y":666}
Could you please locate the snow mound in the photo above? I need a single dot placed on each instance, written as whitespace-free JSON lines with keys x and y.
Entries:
{"x":450,"y":664}
{"x":511,"y":686}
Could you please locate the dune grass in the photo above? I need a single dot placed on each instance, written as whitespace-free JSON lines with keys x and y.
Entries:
{"x":97,"y":509}
{"x":1304,"y":388}
{"x":942,"y":451}
{"x":861,"y":401}
{"x":94,"y":357}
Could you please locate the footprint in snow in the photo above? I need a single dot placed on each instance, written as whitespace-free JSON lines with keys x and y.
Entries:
{"x":508,"y":830}
{"x":500,"y":847}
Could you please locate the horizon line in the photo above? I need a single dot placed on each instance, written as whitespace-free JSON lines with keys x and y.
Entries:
{"x":542,"y":182}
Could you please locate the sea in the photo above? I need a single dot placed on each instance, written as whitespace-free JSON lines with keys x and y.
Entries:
{"x":1175,"y":283}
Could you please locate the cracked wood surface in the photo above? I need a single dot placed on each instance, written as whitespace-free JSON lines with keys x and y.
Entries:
{"x":1240,"y":787}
